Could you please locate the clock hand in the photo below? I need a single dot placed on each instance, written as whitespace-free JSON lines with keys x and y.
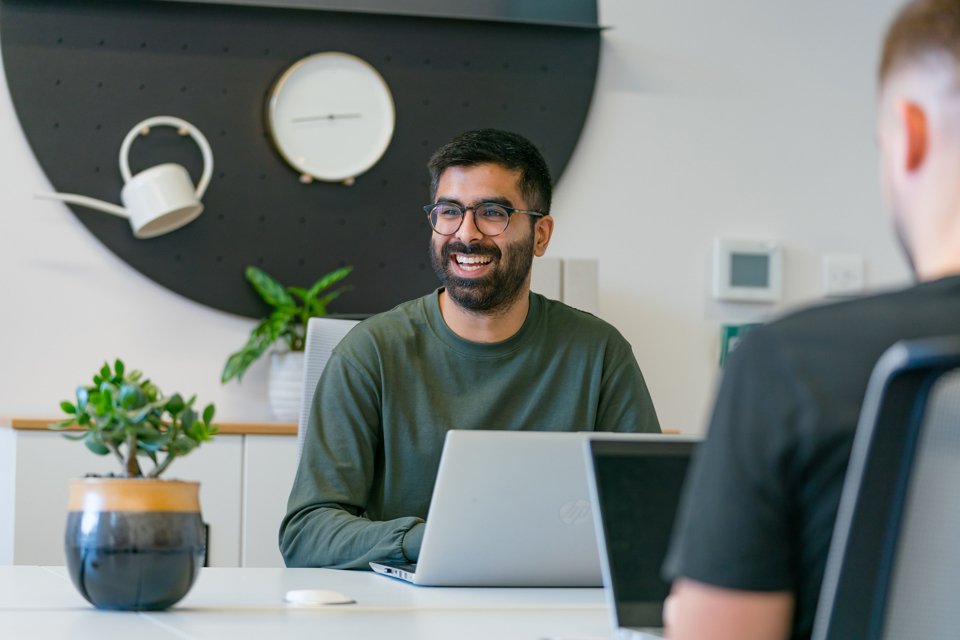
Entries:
{"x":329,"y":116}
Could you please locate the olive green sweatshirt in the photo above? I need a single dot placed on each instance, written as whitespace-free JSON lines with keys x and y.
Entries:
{"x":400,"y":380}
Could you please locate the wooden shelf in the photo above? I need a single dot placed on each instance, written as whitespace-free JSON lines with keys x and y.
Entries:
{"x":226,"y":428}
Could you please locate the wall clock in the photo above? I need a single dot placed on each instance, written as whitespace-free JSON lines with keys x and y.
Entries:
{"x":82,"y":73}
{"x":331,"y":116}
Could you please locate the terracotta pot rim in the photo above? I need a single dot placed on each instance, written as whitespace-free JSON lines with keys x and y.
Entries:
{"x":133,"y":495}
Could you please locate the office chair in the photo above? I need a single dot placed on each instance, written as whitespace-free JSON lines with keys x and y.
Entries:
{"x":323,"y":334}
{"x":894,"y":563}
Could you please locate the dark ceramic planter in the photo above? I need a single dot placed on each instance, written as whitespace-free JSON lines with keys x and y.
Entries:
{"x":133,"y":543}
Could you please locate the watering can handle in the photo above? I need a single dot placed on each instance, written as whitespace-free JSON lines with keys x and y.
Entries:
{"x":178,"y":123}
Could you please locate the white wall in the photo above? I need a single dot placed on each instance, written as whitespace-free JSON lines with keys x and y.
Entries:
{"x":742,"y":118}
{"x":739,"y":118}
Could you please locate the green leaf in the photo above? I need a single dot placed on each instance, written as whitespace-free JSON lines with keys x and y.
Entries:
{"x":300,"y":292}
{"x":151,"y":447}
{"x":103,"y":403}
{"x":236,"y":365}
{"x":238,"y":362}
{"x":182,"y":446}
{"x":150,"y":390}
{"x":269,"y":289}
{"x":325,"y":281}
{"x":67,"y":407}
{"x":262,"y":336}
{"x":118,"y":367}
{"x":96,"y":446}
{"x":82,"y":396}
{"x":140,"y":414}
{"x":130,"y":397}
{"x":105,"y":372}
{"x":107,"y":386}
{"x":175,"y":404}
{"x":208,"y":413}
{"x":319,"y":307}
{"x":62,"y":424}
{"x":277,"y":321}
{"x":146,"y":433}
{"x":101,"y":421}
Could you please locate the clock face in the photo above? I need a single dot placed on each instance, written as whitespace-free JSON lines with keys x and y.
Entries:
{"x":331,"y":116}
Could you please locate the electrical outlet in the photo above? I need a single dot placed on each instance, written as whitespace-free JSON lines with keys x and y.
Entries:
{"x":843,"y":275}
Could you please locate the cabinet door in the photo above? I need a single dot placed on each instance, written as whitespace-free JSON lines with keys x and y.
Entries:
{"x":46,"y":461}
{"x":8,"y":467}
{"x":270,"y":463}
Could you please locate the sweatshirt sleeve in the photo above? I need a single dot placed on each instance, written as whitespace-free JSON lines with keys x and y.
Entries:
{"x":325,"y":524}
{"x":625,"y":403}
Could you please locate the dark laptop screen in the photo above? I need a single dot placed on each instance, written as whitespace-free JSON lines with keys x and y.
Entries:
{"x":638,"y":490}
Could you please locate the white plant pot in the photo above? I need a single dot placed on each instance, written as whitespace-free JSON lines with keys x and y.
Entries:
{"x":285,"y":385}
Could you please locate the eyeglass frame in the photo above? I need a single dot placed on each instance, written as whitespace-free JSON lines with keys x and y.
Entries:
{"x":473,"y":208}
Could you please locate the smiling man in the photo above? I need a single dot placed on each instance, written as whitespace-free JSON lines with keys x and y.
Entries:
{"x":480,"y":352}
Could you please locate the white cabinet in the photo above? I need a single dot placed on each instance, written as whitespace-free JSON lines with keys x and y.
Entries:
{"x":7,"y":494}
{"x":244,"y":484}
{"x":270,"y":463}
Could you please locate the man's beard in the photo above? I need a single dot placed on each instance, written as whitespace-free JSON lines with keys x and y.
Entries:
{"x":496,"y":291}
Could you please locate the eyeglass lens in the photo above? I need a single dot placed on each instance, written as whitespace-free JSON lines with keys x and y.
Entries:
{"x":491,"y":219}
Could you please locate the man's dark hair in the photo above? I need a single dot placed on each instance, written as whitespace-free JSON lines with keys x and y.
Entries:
{"x":923,"y":28}
{"x":492,"y":146}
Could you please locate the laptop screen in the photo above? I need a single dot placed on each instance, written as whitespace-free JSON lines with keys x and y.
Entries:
{"x":638,"y":487}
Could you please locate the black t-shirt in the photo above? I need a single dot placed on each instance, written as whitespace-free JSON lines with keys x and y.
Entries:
{"x":760,"y":503}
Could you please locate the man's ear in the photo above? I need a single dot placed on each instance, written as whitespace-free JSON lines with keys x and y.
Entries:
{"x":541,"y":235}
{"x":916,"y":131}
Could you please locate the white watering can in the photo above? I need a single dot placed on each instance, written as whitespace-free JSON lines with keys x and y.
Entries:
{"x":159,"y":199}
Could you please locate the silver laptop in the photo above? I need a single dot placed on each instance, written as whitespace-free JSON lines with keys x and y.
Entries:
{"x":635,"y":487}
{"x":509,"y":509}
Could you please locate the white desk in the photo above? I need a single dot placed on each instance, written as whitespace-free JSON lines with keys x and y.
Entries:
{"x":41,"y":602}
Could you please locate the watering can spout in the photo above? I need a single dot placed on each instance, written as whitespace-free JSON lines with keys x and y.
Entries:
{"x":85,"y":201}
{"x":159,"y":199}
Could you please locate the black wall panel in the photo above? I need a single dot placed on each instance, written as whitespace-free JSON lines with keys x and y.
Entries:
{"x":83,"y":73}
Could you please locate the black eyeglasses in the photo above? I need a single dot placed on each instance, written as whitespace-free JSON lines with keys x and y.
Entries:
{"x":490,"y":218}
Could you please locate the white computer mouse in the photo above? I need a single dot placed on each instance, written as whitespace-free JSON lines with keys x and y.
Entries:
{"x":316,"y":597}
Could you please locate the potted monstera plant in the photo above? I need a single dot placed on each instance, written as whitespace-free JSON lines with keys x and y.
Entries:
{"x":134,"y":541}
{"x":285,"y":327}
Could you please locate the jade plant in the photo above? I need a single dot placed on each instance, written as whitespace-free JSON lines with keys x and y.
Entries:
{"x":125,"y":414}
{"x":287,"y":322}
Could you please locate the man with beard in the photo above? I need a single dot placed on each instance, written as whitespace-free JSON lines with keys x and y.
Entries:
{"x":757,"y":518}
{"x":481,"y":352}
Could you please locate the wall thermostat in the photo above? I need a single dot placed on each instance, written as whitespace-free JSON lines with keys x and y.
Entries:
{"x":747,"y":270}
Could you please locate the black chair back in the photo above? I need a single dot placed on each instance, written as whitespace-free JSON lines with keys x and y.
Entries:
{"x":894,"y":562}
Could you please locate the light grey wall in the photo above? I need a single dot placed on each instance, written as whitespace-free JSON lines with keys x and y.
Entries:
{"x":741,"y":118}
{"x":744,"y":118}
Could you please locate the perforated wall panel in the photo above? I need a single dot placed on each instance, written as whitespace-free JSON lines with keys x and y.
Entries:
{"x":83,"y":73}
